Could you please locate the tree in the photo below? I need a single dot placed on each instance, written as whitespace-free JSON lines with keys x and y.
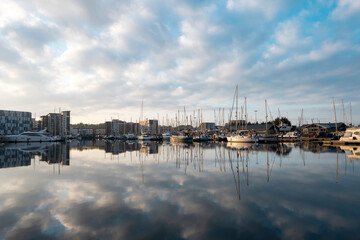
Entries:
{"x":284,"y":120}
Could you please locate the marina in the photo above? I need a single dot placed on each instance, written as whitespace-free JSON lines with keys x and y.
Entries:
{"x":224,"y":190}
{"x":184,"y":120}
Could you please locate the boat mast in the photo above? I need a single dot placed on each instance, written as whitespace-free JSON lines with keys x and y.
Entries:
{"x":245,"y":115}
{"x":335,"y":117}
{"x":236,"y":113}
{"x":344,"y":114}
{"x":350,"y":115}
{"x":266,"y":116}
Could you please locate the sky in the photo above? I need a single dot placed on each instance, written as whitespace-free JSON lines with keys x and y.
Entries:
{"x":99,"y":59}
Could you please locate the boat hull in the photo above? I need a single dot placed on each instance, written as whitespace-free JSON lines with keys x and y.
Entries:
{"x":240,"y":139}
{"x":19,"y":138}
{"x":186,"y":139}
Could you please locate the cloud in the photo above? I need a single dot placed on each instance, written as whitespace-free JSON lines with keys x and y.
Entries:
{"x":98,"y":59}
{"x":345,"y":9}
{"x":269,"y":10}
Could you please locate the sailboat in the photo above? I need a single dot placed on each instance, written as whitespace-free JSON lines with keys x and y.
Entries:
{"x":243,"y":136}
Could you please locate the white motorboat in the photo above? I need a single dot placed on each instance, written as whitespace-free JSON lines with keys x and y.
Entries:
{"x":29,"y":137}
{"x":352,"y":135}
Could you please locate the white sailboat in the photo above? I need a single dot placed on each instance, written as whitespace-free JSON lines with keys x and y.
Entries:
{"x":240,"y":137}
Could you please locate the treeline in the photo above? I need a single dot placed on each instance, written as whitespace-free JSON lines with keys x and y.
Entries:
{"x":88,"y":126}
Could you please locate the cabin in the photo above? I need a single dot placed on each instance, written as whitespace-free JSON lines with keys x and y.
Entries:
{"x":321,"y":128}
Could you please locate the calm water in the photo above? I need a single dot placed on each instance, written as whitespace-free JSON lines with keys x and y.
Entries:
{"x":103,"y":190}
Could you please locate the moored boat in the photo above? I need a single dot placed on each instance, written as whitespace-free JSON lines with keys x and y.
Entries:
{"x":265,"y":138}
{"x":181,"y":138}
{"x":241,"y":138}
{"x":352,"y":136}
{"x":29,"y":137}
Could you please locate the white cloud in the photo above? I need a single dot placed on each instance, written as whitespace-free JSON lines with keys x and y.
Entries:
{"x":326,"y":50}
{"x":103,"y":56}
{"x":346,"y":9}
{"x":287,"y":39}
{"x":268,"y":8}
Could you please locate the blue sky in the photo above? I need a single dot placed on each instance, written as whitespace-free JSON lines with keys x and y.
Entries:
{"x":100,"y":58}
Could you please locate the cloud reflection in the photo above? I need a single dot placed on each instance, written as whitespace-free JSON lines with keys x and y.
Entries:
{"x":90,"y":200}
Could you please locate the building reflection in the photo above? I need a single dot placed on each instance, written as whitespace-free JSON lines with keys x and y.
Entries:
{"x":21,"y":154}
{"x":118,"y":147}
{"x":150,"y":147}
{"x":12,"y":157}
{"x":57,"y":154}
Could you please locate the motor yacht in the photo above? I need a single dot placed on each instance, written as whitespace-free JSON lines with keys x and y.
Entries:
{"x":352,"y":135}
{"x":29,"y":137}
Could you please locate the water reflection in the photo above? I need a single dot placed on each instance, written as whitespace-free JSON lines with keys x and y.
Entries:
{"x":182,"y":191}
{"x":21,"y":154}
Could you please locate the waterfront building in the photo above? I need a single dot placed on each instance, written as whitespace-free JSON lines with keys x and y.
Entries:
{"x":115,"y":127}
{"x":101,"y":131}
{"x":35,"y":124}
{"x":233,"y":127}
{"x":317,"y":128}
{"x":132,"y":127}
{"x":65,"y":123}
{"x":56,"y":123}
{"x":108,"y":130}
{"x":263,"y":128}
{"x":149,"y":126}
{"x":208,"y":126}
{"x":14,"y":122}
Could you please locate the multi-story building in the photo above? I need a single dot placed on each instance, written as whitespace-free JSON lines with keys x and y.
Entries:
{"x":149,"y":126}
{"x":35,"y":124}
{"x":116,"y":127}
{"x":14,"y":122}
{"x":100,"y":131}
{"x":207,"y":126}
{"x":56,"y":123}
{"x":108,"y":130}
{"x":65,"y":122}
{"x":132,"y":128}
